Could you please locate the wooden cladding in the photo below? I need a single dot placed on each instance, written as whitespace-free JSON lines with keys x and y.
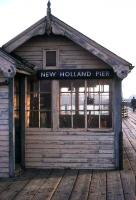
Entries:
{"x":69,"y":149}
{"x":4,"y":129}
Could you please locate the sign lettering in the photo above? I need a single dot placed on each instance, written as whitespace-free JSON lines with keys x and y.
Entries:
{"x":74,"y":74}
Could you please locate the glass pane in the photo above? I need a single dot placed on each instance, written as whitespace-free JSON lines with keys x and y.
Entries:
{"x":106,"y":121}
{"x":81,"y":101}
{"x":65,"y":86}
{"x":65,"y":121}
{"x":79,"y":121}
{"x":16,"y":101}
{"x":93,"y":120}
{"x":34,"y":85}
{"x":17,"y":119}
{"x":45,"y":101}
{"x":45,"y":86}
{"x":34,"y":101}
{"x":78,"y":86}
{"x":93,"y":86}
{"x":16,"y":88}
{"x":104,"y":107}
{"x":45,"y":119}
{"x":104,"y":98}
{"x":65,"y":101}
{"x":33,"y":119}
{"x":65,"y":112}
{"x":50,"y":58}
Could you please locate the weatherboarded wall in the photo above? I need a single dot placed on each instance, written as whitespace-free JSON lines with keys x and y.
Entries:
{"x":63,"y":149}
{"x":46,"y":149}
{"x":4,"y":129}
{"x":70,"y":55}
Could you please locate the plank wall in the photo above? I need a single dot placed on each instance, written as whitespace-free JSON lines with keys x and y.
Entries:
{"x":4,"y":130}
{"x":70,"y":54}
{"x":64,"y":149}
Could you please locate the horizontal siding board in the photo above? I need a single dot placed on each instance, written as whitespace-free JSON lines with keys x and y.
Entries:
{"x":70,"y":138}
{"x":69,"y":165}
{"x":44,"y":131}
{"x":4,"y":122}
{"x":4,"y":160}
{"x":4,"y":137}
{"x":69,"y":149}
{"x":76,"y":156}
{"x":4,"y":175}
{"x":4,"y":130}
{"x":4,"y":170}
{"x":4,"y":143}
{"x":61,"y":151}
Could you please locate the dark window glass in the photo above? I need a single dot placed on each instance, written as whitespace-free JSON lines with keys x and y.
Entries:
{"x":45,"y":101}
{"x":45,"y":119}
{"x":50,"y":58}
{"x":34,"y":119}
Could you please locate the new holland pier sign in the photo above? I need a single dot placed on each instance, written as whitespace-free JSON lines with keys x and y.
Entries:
{"x":74,"y":74}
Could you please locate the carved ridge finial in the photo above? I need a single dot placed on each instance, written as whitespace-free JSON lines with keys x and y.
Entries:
{"x":48,"y":24}
{"x":49,"y":8}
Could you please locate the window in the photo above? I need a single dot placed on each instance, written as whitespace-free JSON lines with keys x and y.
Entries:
{"x":85,"y":104}
{"x":39,"y":104}
{"x":50,"y":57}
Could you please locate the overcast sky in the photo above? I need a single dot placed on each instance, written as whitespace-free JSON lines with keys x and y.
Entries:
{"x":111,"y":23}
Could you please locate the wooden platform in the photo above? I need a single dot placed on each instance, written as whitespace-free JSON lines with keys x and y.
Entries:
{"x":79,"y":184}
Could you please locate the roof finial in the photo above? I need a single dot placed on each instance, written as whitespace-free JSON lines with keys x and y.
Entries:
{"x":48,"y":8}
{"x":48,"y":22}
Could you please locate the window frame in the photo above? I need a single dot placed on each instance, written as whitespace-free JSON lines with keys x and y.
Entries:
{"x":44,"y":58}
{"x":86,"y":127}
{"x":39,"y":110}
{"x":55,"y":110}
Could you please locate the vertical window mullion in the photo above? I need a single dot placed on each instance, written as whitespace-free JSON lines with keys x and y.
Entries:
{"x":71,"y":105}
{"x":85,"y":104}
{"x":39,"y":92}
{"x":99,"y":93}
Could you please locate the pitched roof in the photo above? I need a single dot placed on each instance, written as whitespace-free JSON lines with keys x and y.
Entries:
{"x":54,"y":25}
{"x":9,"y":65}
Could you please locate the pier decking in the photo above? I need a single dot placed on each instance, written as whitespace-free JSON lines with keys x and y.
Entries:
{"x":79,"y":184}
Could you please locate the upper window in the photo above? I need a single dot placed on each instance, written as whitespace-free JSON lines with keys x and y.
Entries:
{"x":50,"y":58}
{"x":85,"y":104}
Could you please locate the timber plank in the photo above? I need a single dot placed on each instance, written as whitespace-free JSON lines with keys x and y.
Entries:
{"x":128,"y":179}
{"x":66,"y":185}
{"x":98,"y":186}
{"x":17,"y":185}
{"x":114,"y":186}
{"x":81,"y":187}
{"x":4,"y":185}
{"x":48,"y":188}
{"x":33,"y":186}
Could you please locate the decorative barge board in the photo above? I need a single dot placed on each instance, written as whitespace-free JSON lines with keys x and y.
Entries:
{"x":67,"y":100}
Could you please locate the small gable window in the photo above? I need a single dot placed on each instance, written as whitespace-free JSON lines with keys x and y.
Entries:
{"x":51,"y":58}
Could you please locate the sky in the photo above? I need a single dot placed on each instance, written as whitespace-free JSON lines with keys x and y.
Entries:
{"x":111,"y":23}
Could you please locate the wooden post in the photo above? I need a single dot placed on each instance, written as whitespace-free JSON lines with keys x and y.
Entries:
{"x":118,"y":123}
{"x":23,"y":91}
{"x":11,"y":129}
{"x":55,"y":104}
